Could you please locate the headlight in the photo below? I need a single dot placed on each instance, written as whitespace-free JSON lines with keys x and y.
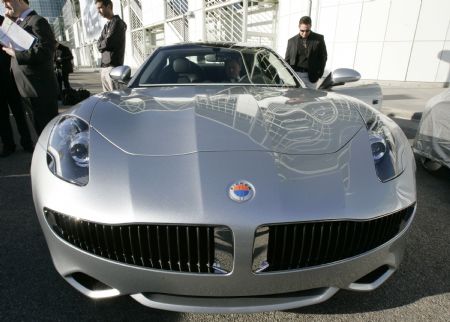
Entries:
{"x":387,"y":142}
{"x":68,"y":150}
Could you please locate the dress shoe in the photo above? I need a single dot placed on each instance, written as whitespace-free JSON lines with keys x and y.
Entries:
{"x":7,"y":152}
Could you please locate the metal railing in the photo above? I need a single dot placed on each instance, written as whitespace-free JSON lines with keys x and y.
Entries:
{"x":137,"y":33}
{"x":241,"y":21}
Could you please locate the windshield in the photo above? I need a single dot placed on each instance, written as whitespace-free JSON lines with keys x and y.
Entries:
{"x":201,"y":64}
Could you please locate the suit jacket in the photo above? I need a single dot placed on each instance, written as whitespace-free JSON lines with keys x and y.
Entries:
{"x":33,"y":68}
{"x":5,"y":63}
{"x":63,"y":59}
{"x":317,"y":54}
{"x":112,"y":42}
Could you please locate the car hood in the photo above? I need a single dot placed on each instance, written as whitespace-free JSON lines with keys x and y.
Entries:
{"x":163,"y":121}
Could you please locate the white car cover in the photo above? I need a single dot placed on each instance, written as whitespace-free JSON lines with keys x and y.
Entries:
{"x":433,"y":137}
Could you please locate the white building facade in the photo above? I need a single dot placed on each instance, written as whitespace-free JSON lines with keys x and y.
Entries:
{"x":389,"y":40}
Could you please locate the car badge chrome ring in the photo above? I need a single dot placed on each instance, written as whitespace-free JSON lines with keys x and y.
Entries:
{"x":241,"y":191}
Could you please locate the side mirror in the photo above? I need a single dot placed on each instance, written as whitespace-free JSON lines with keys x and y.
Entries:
{"x":121,"y":74}
{"x":340,"y":76}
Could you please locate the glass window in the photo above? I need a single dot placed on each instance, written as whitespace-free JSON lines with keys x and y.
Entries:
{"x":194,"y":64}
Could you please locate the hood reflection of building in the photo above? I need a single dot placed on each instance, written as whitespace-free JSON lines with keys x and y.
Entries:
{"x":297,"y":127}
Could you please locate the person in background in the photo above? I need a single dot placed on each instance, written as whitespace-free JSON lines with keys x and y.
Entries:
{"x":232,"y":70}
{"x":10,"y":98}
{"x":33,"y":69}
{"x":307,"y":53}
{"x":63,"y":64}
{"x":111,"y":43}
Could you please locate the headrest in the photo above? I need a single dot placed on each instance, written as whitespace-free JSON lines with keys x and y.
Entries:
{"x":181,"y":65}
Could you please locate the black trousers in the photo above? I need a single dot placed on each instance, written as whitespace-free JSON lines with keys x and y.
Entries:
{"x":10,"y":99}
{"x":44,"y":110}
{"x":63,"y":77}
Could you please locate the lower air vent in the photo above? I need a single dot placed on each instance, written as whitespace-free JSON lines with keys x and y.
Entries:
{"x":180,"y":248}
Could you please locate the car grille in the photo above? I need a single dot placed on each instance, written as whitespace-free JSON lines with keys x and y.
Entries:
{"x":181,"y":248}
{"x":299,"y":245}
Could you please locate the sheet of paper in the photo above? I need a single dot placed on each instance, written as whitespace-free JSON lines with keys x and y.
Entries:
{"x":12,"y":35}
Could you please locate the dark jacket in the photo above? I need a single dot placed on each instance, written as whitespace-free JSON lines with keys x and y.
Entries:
{"x":63,"y":59}
{"x":112,"y":42}
{"x":317,"y":54}
{"x":33,"y":68}
{"x":5,"y":63}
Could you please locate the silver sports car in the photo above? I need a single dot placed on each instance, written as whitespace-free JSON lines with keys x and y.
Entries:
{"x":215,"y":182}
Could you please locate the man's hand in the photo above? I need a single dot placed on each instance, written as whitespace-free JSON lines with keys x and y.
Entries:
{"x":9,"y":51}
{"x":10,"y":14}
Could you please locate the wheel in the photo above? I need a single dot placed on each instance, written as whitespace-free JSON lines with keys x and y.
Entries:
{"x":430,"y":165}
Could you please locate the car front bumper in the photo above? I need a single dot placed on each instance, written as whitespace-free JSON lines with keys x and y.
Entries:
{"x":241,"y":289}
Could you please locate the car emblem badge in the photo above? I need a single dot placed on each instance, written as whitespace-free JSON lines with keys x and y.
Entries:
{"x":241,"y":191}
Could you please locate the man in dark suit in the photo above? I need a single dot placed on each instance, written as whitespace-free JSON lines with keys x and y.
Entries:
{"x":63,"y":63}
{"x":10,"y":98}
{"x":33,"y":68}
{"x":111,"y":43}
{"x":307,"y":53}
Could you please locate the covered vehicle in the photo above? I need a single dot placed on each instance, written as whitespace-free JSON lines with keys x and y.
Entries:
{"x":432,"y":141}
{"x":192,"y":190}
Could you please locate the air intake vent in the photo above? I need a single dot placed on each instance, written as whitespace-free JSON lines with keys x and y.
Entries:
{"x":178,"y":248}
{"x":300,"y":245}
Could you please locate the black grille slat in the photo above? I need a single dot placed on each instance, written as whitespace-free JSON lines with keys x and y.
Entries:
{"x":179,"y":249}
{"x":365,"y":236}
{"x":373,"y":233}
{"x":141,"y":252}
{"x":132,"y":246}
{"x":208,"y":243}
{"x":188,"y":245}
{"x":106,"y":242}
{"x":76,"y":232}
{"x":333,"y":243}
{"x":115,"y":238}
{"x":319,"y":254}
{"x":168,"y":247}
{"x":150,"y":252}
{"x":353,"y":241}
{"x":91,"y":238}
{"x":199,"y":255}
{"x":283,"y":249}
{"x":294,"y":246}
{"x":158,"y":243}
{"x":300,"y":245}
{"x":122,"y":246}
{"x":311,"y":245}
{"x":98,"y":240}
{"x":387,"y":228}
{"x":169,"y":252}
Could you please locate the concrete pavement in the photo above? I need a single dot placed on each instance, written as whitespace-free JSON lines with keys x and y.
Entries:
{"x":406,"y":103}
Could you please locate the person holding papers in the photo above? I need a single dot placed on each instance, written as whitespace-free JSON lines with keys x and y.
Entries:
{"x":33,"y":68}
{"x":10,"y":99}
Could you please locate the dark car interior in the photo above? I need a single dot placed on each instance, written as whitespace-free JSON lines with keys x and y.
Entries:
{"x":209,"y":66}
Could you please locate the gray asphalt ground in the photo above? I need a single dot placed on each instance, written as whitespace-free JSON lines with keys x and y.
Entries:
{"x":31,"y":289}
